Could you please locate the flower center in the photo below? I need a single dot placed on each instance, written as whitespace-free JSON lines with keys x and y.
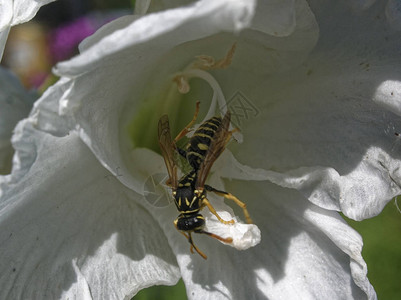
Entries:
{"x":173,"y":100}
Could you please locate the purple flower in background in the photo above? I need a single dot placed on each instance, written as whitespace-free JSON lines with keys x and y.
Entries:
{"x":64,"y":40}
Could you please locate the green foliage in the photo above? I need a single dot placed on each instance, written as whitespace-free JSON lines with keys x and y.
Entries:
{"x":382,"y":250}
{"x":161,"y":292}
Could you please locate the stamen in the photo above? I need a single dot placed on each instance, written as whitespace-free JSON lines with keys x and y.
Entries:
{"x":197,"y":73}
{"x":197,"y":70}
{"x":182,"y":84}
{"x":204,"y":62}
{"x":226,"y":61}
{"x":182,"y":80}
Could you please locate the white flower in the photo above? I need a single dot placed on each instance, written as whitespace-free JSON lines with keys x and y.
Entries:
{"x":321,"y":84}
{"x":13,"y":12}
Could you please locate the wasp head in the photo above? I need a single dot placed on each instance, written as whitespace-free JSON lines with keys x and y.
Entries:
{"x":195,"y":222}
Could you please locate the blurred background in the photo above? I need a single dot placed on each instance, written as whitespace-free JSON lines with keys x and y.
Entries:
{"x":54,"y":34}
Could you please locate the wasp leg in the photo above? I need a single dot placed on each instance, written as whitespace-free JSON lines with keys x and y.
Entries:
{"x":229,"y":135}
{"x":217,"y":237}
{"x":206,"y":202}
{"x":196,"y":248}
{"x":189,"y":238}
{"x":224,"y":240}
{"x":190,"y":124}
{"x":231,"y":197}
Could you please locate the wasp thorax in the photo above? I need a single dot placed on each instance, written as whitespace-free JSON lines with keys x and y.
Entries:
{"x":190,"y":223}
{"x":184,"y":192}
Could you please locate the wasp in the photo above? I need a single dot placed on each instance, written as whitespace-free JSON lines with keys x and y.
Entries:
{"x":189,"y":191}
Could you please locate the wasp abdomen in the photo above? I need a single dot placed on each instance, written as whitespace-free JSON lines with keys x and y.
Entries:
{"x":199,"y":143}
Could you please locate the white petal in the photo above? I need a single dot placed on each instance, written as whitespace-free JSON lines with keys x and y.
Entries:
{"x":336,"y":115}
{"x":325,"y":187}
{"x":288,"y":45}
{"x":329,"y":223}
{"x":142,"y":6}
{"x":347,"y":240}
{"x":48,"y":113}
{"x":217,"y":16}
{"x":107,"y":29}
{"x":393,"y":14}
{"x":3,"y":40}
{"x":15,"y":104}
{"x":358,"y":5}
{"x":19,"y":11}
{"x":6,"y":15}
{"x":151,"y":6}
{"x":301,"y":255}
{"x":79,"y":290}
{"x":13,"y":12}
{"x":275,"y":17}
{"x":388,"y":95}
{"x":69,"y":226}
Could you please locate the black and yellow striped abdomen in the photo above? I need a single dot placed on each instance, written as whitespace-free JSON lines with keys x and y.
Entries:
{"x":199,"y":143}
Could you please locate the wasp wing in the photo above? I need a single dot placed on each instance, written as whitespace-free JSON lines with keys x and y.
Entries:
{"x":168,"y":149}
{"x":216,"y":147}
